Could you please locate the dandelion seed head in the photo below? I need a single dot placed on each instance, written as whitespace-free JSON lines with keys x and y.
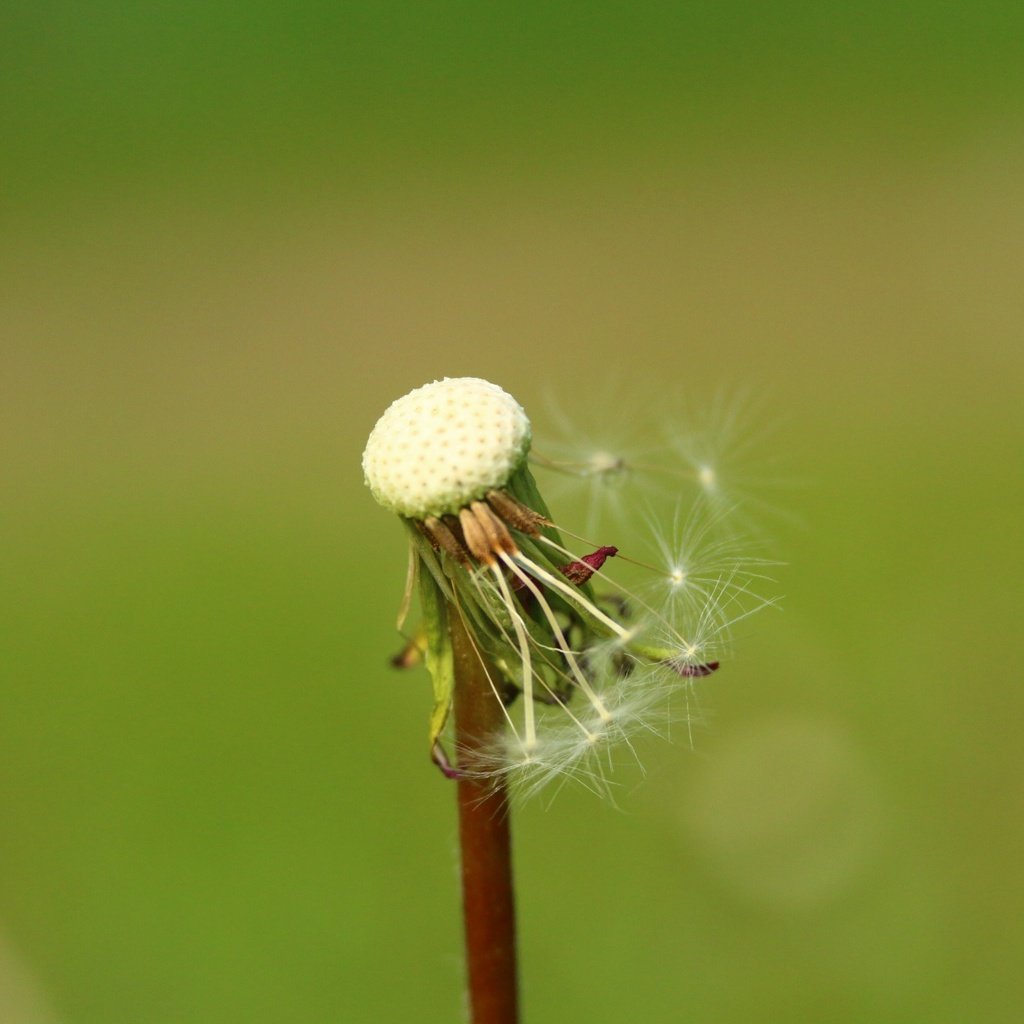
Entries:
{"x":444,"y":445}
{"x":584,"y":651}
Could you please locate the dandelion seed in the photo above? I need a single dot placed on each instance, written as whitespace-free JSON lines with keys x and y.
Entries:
{"x":726,"y":446}
{"x":578,"y":664}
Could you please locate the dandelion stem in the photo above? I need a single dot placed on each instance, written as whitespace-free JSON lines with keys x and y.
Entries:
{"x":487,"y":896}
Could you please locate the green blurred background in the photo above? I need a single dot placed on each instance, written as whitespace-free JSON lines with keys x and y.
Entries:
{"x":233,"y":233}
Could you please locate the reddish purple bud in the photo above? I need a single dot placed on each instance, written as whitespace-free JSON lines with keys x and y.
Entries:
{"x":693,"y":671}
{"x":581,"y":571}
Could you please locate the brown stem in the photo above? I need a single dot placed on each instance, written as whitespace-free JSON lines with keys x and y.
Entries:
{"x":487,"y":898}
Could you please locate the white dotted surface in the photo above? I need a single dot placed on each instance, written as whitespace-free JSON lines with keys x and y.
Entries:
{"x":444,"y":445}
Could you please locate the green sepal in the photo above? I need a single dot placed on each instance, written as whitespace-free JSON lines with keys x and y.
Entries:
{"x":521,"y":485}
{"x":440,"y":659}
{"x":654,"y":654}
{"x":429,"y":558}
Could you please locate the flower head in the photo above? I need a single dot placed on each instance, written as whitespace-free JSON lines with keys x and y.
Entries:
{"x":444,"y":445}
{"x":577,"y":667}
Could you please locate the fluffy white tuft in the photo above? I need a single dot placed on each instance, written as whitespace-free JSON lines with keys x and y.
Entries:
{"x":585,"y":748}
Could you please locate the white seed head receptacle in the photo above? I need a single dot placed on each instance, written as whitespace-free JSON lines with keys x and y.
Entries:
{"x":444,"y":445}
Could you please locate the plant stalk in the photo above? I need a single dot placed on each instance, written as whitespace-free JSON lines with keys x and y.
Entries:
{"x":488,"y":902}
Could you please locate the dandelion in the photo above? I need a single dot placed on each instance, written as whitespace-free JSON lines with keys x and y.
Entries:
{"x":551,"y":667}
{"x":575,"y":665}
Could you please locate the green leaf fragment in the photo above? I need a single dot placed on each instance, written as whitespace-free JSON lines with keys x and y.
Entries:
{"x":440,"y":658}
